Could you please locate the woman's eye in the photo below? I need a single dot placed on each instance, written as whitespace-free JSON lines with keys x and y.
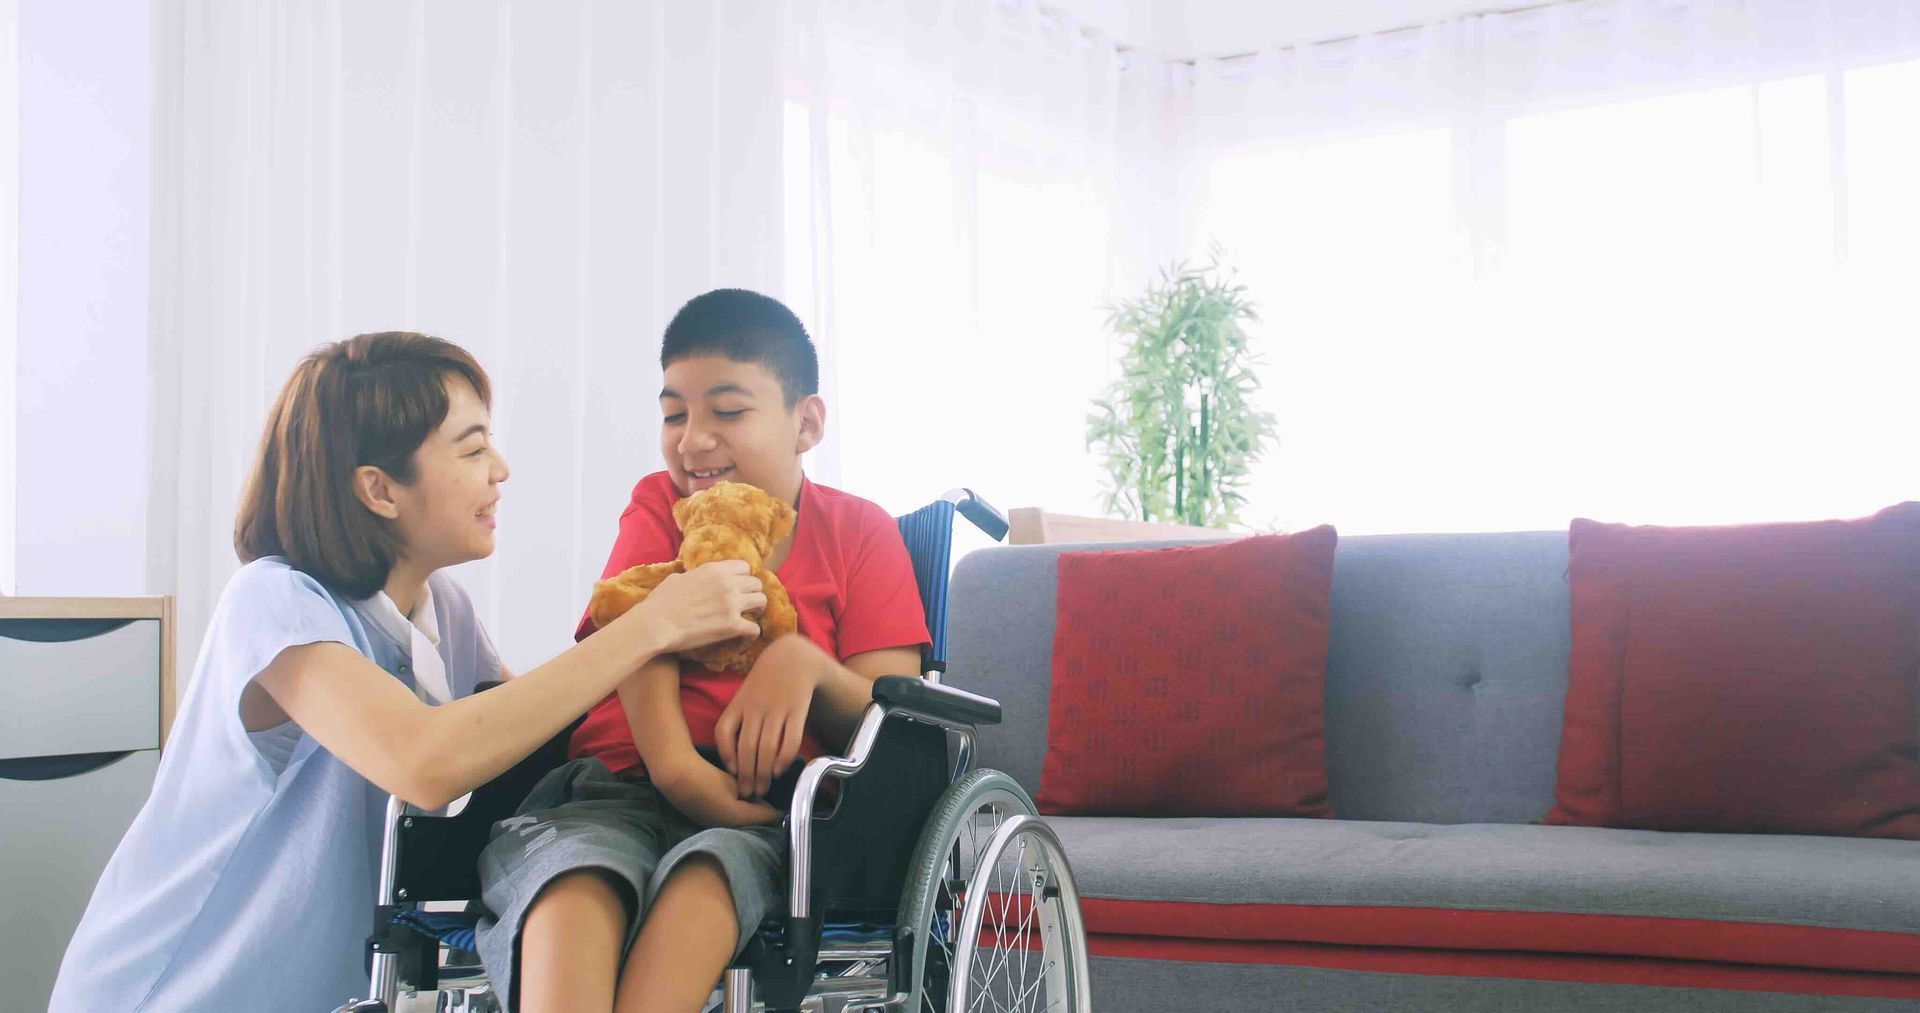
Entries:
{"x":675,"y":419}
{"x":736,"y":413}
{"x":476,"y":452}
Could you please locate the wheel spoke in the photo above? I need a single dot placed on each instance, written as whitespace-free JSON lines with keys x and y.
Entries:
{"x":984,"y":900}
{"x":1021,"y":935}
{"x":1024,"y":937}
{"x":1037,"y":982}
{"x":1000,"y":954}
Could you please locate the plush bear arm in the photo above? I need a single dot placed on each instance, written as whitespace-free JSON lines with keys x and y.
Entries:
{"x":614,"y":596}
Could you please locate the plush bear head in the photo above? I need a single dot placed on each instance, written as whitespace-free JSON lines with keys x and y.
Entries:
{"x":731,"y":520}
{"x":728,"y":521}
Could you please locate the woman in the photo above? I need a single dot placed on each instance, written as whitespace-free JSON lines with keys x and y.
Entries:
{"x":338,"y":668}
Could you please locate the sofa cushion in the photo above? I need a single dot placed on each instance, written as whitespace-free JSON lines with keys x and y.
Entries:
{"x":1817,"y":902}
{"x":1446,"y":669}
{"x":1189,"y":680}
{"x":1752,"y":678}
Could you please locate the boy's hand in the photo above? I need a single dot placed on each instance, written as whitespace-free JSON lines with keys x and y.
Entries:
{"x":706,"y":794}
{"x":703,"y":606}
{"x":759,"y":733}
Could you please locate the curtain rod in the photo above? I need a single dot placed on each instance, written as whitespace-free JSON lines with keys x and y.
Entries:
{"x":1194,"y":61}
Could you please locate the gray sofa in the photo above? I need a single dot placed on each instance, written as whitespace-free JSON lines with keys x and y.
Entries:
{"x":1434,"y":889}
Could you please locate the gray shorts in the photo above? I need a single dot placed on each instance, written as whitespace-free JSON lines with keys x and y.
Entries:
{"x":582,"y":816}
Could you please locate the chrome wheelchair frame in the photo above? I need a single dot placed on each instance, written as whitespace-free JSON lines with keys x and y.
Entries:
{"x":945,"y":853}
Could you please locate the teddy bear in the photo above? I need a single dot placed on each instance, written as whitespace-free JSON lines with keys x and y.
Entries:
{"x":730,"y":520}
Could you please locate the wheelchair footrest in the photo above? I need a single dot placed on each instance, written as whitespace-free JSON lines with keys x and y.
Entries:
{"x":454,"y":928}
{"x":855,"y":933}
{"x":418,"y":953}
{"x":784,"y":963}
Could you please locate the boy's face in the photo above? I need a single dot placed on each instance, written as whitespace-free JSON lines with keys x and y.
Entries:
{"x":728,"y":421}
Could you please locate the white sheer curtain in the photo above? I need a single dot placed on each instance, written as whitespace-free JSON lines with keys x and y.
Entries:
{"x":9,"y":274}
{"x":946,"y":190}
{"x":1643,"y":261}
{"x":968,"y":183}
{"x":543,"y":183}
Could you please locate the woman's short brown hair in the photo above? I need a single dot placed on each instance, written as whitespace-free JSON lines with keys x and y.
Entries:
{"x":370,"y":400}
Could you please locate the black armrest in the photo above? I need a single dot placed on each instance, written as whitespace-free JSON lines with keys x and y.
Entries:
{"x":935,"y":700}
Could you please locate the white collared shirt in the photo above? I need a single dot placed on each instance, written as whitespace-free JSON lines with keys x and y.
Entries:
{"x":421,"y":631}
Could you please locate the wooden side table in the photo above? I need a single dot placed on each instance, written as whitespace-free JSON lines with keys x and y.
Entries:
{"x":86,"y":700}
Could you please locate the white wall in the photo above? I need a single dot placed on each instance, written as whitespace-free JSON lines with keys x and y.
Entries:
{"x":82,"y":431}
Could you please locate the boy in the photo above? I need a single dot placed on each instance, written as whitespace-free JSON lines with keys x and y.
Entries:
{"x":609,"y":892}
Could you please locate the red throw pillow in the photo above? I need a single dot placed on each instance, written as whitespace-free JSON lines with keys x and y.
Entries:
{"x":1754,"y":678}
{"x":1188,"y":681}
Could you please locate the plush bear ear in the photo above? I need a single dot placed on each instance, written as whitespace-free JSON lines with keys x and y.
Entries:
{"x":783,"y":518}
{"x":680,"y":510}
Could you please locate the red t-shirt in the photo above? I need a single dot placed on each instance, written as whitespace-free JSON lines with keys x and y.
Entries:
{"x":848,"y":575}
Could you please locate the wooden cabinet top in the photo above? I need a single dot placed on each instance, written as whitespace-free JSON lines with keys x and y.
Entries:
{"x":82,"y":608}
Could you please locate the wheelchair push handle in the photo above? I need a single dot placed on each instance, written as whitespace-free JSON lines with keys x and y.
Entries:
{"x":983,"y":514}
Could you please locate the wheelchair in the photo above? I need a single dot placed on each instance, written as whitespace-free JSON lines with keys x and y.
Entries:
{"x":921,"y":885}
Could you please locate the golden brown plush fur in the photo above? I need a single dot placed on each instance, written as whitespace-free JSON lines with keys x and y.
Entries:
{"x":731,"y":520}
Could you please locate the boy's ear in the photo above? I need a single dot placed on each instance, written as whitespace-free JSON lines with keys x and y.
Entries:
{"x":813,"y":423}
{"x":374,"y":489}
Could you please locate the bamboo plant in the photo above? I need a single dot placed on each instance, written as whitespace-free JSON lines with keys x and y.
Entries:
{"x":1178,"y":429}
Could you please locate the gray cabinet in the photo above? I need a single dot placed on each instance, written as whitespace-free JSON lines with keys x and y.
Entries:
{"x":85,"y":695}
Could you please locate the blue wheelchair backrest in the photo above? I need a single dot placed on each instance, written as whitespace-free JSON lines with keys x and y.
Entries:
{"x":928,"y":533}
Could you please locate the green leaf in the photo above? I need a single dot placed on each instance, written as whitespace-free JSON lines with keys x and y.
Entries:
{"x":1177,"y":431}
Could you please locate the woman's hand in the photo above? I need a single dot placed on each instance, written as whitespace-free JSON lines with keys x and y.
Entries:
{"x":706,"y":794}
{"x":703,"y":606}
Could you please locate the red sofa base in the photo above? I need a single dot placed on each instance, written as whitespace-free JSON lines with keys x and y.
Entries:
{"x":1531,"y":966}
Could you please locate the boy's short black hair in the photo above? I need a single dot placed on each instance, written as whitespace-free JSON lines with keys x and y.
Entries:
{"x":745,"y":327}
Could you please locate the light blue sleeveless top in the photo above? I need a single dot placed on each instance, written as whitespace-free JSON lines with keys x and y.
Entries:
{"x":247,"y":881}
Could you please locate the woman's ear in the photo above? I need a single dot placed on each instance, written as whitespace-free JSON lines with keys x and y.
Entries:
{"x":813,"y":423}
{"x":374,"y":489}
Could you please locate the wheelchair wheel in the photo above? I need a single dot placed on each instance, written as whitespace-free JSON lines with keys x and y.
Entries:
{"x":991,"y":874}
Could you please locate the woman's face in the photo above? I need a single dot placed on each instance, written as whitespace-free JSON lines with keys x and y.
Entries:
{"x":446,"y":515}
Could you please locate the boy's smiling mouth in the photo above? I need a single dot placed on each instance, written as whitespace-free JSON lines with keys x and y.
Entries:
{"x":711,"y":473}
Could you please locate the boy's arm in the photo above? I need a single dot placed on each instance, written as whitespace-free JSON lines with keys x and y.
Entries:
{"x":704,"y":793}
{"x":795,"y":681}
{"x":847,"y":689}
{"x":792,"y":682}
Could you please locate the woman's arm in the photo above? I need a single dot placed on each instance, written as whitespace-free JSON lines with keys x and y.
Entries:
{"x":430,"y":756}
{"x":703,"y":792}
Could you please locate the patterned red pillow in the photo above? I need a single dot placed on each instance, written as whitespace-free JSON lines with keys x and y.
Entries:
{"x":1188,"y":681}
{"x":1754,"y":678}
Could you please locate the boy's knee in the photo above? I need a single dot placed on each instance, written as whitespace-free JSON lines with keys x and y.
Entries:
{"x":582,"y":890}
{"x":700,"y":871}
{"x":698,"y":882}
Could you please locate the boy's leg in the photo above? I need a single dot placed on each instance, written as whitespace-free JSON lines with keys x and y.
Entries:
{"x":570,"y":944}
{"x":685,"y":941}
